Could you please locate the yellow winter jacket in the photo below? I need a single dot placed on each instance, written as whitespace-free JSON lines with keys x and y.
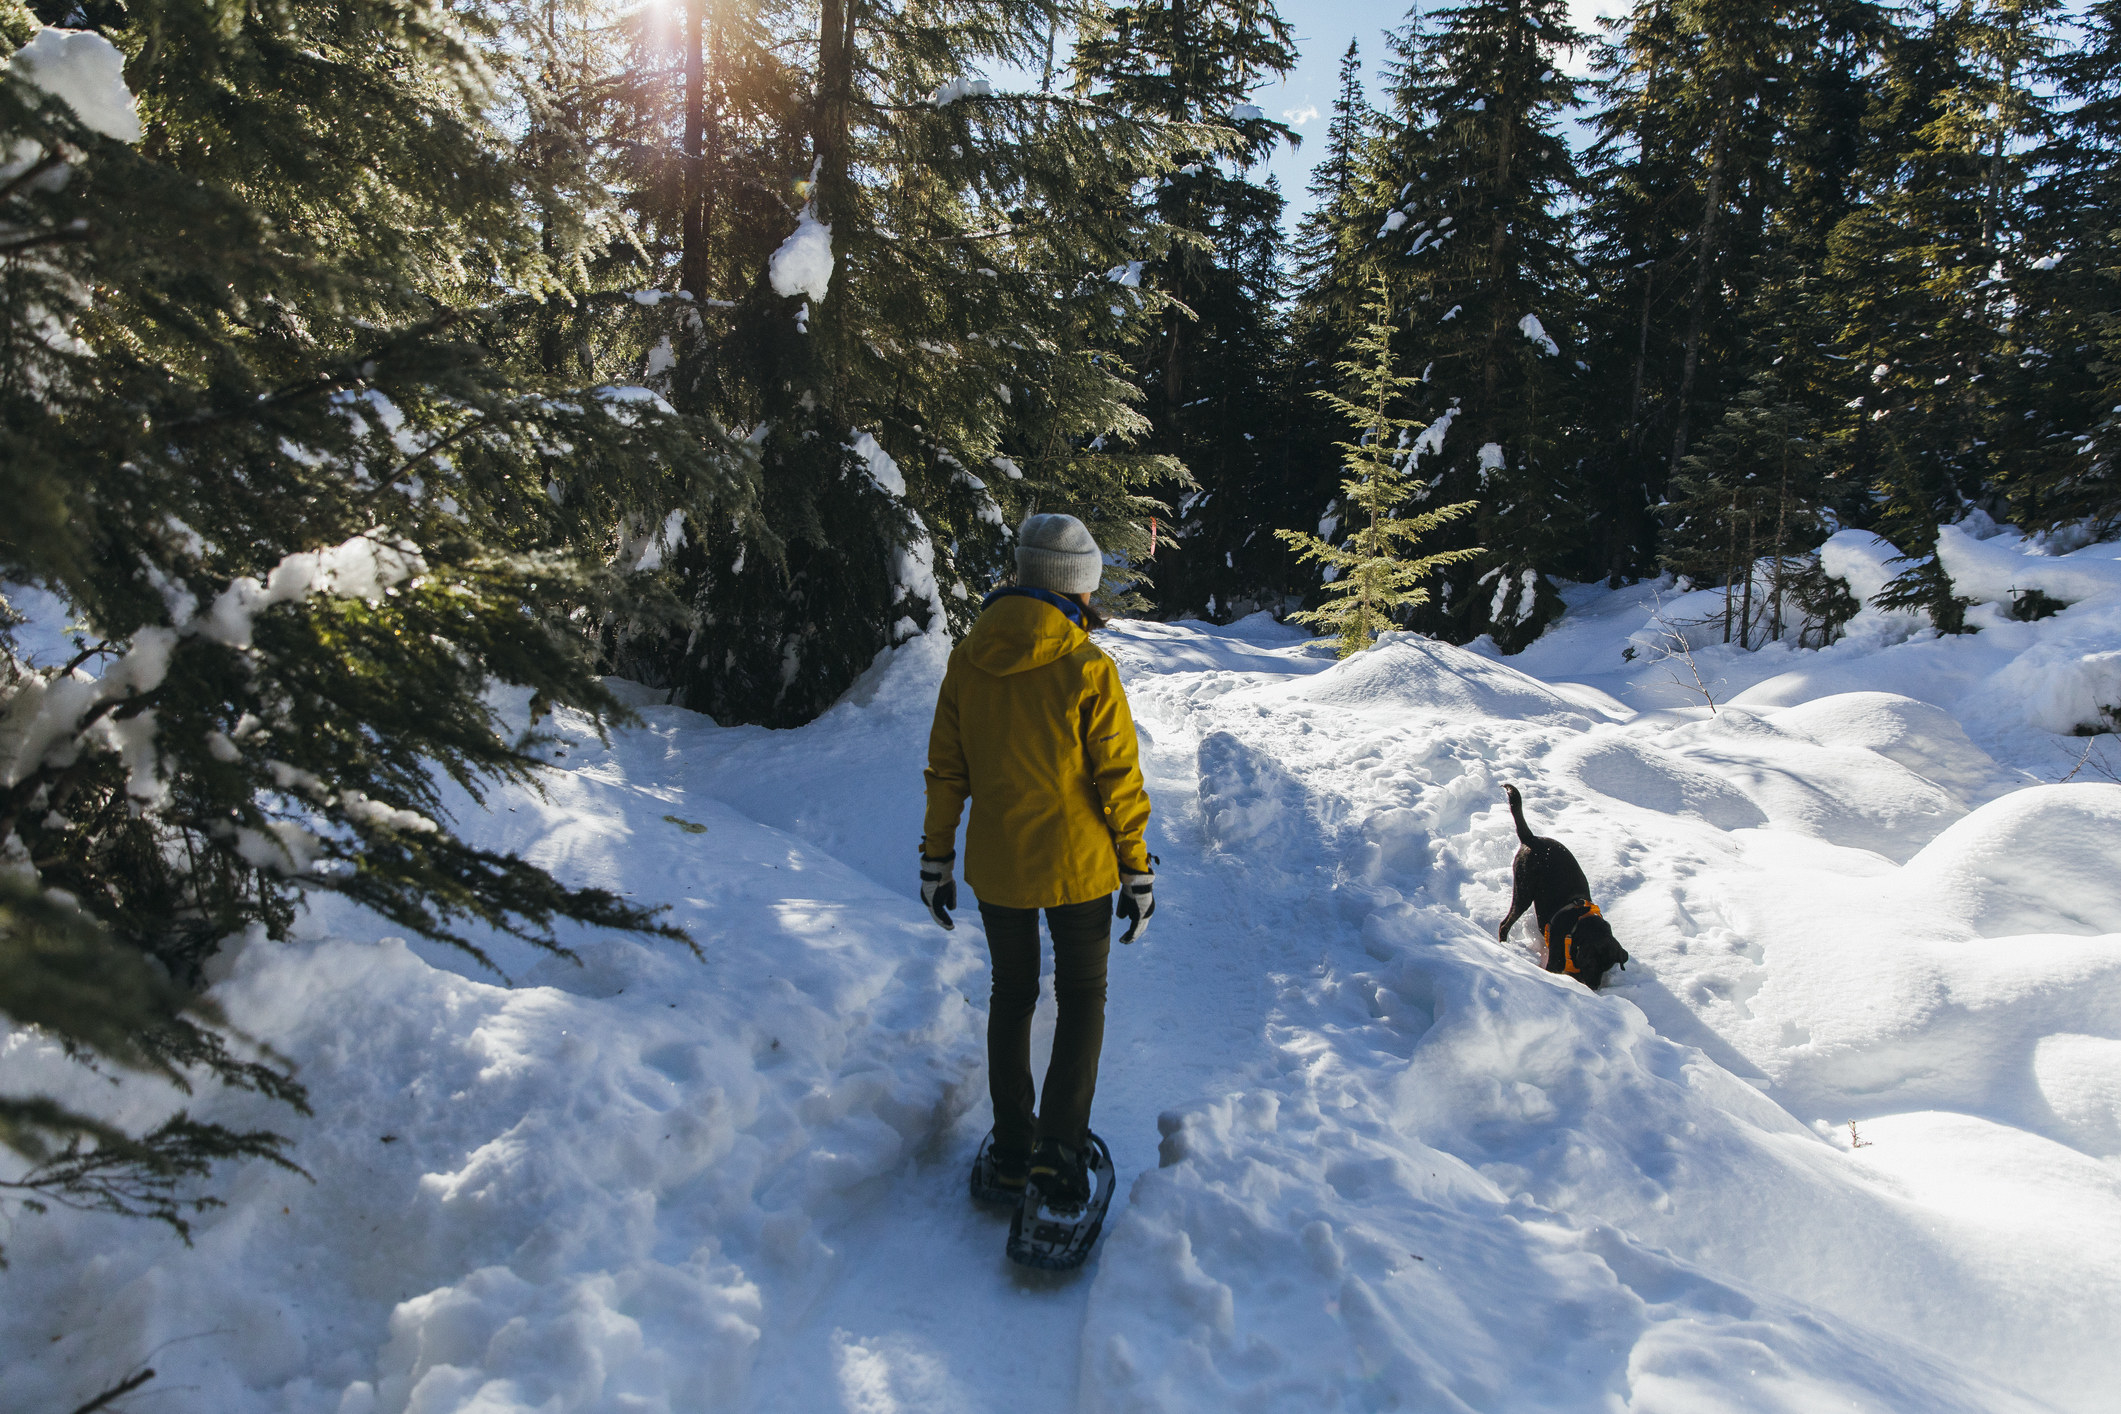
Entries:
{"x":1032,"y":724}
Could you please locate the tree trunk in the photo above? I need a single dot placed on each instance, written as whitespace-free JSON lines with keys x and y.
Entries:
{"x":1745,"y":611}
{"x":692,"y":262}
{"x":1704,"y":262}
{"x":1176,"y":324}
{"x":1500,"y":325}
{"x":1781,"y":546}
{"x":835,"y":102}
{"x":1642,"y":358}
{"x":1730,"y":567}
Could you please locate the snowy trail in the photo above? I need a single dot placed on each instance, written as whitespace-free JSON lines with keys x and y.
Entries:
{"x":1369,"y":1157}
{"x":1257,"y":1037}
{"x":923,"y":1310}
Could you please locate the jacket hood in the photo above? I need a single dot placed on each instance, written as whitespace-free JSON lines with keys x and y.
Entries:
{"x":1019,"y":633}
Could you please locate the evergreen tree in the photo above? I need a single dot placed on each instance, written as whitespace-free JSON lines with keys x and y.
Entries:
{"x":1331,"y":237}
{"x":900,"y":282}
{"x":263,"y":454}
{"x":1210,"y":369}
{"x":1926,"y":270}
{"x":2068,"y":296}
{"x":1474,"y":240}
{"x":1697,"y":102}
{"x":1371,"y":585}
{"x":1747,"y":496}
{"x":1333,"y":279}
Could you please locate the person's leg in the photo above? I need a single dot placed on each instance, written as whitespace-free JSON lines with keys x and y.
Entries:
{"x":1082,"y":943}
{"x":1012,"y":943}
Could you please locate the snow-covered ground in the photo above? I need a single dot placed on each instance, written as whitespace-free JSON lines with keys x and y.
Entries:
{"x":1846,"y":1134}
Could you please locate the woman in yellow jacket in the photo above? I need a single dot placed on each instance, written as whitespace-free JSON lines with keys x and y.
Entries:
{"x":1032,"y":725}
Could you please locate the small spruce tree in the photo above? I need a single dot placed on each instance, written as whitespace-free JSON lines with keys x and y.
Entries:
{"x":1371,"y":579}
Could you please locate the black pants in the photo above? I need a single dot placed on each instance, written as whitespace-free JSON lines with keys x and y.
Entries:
{"x":1082,"y":942}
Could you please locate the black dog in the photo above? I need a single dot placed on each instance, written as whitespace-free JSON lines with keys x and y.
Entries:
{"x":1546,"y":878}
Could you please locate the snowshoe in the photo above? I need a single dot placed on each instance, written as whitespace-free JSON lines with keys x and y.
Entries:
{"x":1055,"y":1235}
{"x":988,"y":1184}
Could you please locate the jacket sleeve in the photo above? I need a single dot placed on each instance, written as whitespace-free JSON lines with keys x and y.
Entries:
{"x":1115,"y":765}
{"x":949,"y":783}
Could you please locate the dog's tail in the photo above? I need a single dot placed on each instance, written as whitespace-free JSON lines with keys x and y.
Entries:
{"x":1524,"y":831}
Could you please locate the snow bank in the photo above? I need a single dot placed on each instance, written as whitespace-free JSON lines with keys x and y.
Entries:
{"x":2061,"y":688}
{"x":590,"y":1190}
{"x":2065,"y":676}
{"x":1414,"y":673}
{"x":1920,"y":736}
{"x":803,"y":263}
{"x":1415,"y":1224}
{"x":1841,"y":906}
{"x":2040,"y":860}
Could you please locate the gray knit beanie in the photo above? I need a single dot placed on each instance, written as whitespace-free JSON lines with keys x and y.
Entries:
{"x":1057,"y":552}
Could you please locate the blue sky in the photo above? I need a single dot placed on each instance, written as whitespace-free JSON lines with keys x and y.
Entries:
{"x":1304,"y":100}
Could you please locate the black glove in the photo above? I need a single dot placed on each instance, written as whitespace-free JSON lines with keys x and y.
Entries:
{"x":1137,"y":901}
{"x":938,"y":888}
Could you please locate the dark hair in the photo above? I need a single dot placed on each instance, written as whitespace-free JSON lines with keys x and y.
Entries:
{"x":1097,"y":617}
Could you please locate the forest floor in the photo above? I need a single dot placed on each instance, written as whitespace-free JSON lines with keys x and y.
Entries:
{"x":1845,"y":1134}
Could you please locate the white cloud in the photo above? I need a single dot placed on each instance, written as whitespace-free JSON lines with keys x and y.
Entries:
{"x":1297,"y":117}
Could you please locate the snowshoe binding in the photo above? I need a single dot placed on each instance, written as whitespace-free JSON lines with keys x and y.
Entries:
{"x":994,"y":1182}
{"x":1063,"y":1209}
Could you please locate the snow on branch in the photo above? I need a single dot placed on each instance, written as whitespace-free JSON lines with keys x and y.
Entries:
{"x":85,"y":72}
{"x":803,"y":264}
{"x":951,"y":91}
{"x":51,"y":718}
{"x":1532,"y":329}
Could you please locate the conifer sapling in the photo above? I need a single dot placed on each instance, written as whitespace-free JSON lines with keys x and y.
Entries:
{"x":1371,"y":577}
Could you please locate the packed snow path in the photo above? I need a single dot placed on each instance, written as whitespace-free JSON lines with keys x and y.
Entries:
{"x":1370,"y":1157}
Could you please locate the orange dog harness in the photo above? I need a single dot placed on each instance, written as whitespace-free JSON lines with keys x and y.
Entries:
{"x":1568,"y":939}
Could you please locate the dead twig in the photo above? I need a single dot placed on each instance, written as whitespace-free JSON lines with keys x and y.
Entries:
{"x":1683,"y":653}
{"x":123,"y":1387}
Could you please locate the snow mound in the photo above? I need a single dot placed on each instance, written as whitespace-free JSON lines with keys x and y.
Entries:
{"x":2039,"y":860}
{"x":2079,"y":1079}
{"x":1408,"y":671}
{"x":1649,"y":779}
{"x":1862,"y":559}
{"x":1812,"y":783}
{"x":1921,"y":736}
{"x":1312,"y":1250}
{"x":1992,"y":571}
{"x":2062,"y":688}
